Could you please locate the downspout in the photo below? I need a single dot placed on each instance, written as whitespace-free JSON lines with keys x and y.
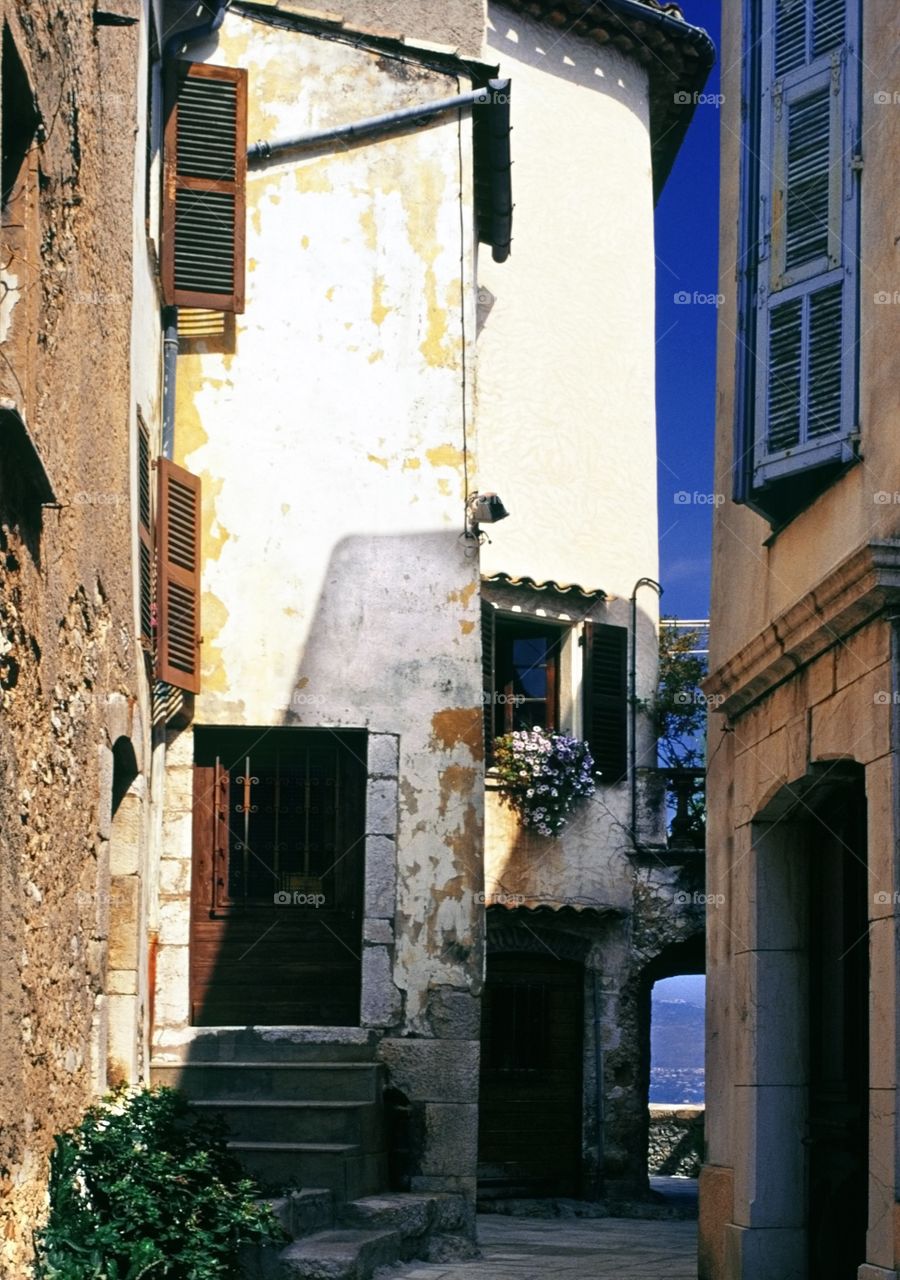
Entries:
{"x":377,"y":124}
{"x":174,"y":46}
{"x":632,"y":699}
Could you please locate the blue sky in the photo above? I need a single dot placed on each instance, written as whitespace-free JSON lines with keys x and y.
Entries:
{"x":686,"y":252}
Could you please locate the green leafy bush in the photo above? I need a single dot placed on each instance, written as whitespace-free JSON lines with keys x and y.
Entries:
{"x":145,"y":1189}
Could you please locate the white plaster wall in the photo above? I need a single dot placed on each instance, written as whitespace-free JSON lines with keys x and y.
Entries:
{"x":331,"y":447}
{"x":566,"y":410}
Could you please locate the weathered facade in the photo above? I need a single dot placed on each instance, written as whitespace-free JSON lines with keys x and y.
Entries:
{"x":75,"y":741}
{"x":802,"y":1142}
{"x":249,"y":630}
{"x":581,"y":924}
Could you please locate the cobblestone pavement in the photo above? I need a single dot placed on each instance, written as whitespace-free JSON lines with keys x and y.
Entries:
{"x":572,"y":1249}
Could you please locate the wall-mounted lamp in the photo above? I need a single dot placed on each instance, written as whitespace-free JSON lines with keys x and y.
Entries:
{"x":483,"y":508}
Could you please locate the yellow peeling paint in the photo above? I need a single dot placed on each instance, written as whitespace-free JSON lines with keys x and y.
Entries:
{"x":467,"y":627}
{"x":375,"y":356}
{"x":211,"y":544}
{"x":412,"y":464}
{"x":285,"y":508}
{"x":445,"y":455}
{"x":382,"y":462}
{"x":435,"y":348}
{"x":369,"y":228}
{"x":214,"y":615}
{"x":457,"y":726}
{"x":313,"y":178}
{"x":301,"y":684}
{"x":455,"y":778}
{"x":329,"y":294}
{"x":348,"y":324}
{"x":304,"y":241}
{"x":444,"y":487}
{"x":251,"y":264}
{"x":189,"y":434}
{"x":464,"y":595}
{"x":380,"y":312}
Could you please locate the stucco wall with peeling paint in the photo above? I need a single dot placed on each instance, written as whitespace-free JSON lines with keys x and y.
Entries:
{"x":331,"y":438}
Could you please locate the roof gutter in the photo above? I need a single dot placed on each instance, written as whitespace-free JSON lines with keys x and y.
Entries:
{"x":678,"y":28}
{"x":496,"y":228}
{"x":390,"y":120}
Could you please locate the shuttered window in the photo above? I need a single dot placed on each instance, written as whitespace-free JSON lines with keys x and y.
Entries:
{"x":205,"y":162}
{"x":145,"y":534}
{"x":178,"y":577}
{"x":606,"y":699}
{"x":488,"y":681}
{"x":797,"y":401}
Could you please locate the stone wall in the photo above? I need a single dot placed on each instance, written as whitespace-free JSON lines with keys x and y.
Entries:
{"x":675,"y":1143}
{"x":69,"y":668}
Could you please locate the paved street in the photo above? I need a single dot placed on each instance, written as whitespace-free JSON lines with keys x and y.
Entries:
{"x":572,"y":1249}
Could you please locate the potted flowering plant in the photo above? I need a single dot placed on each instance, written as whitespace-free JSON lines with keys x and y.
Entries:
{"x":543,"y":776}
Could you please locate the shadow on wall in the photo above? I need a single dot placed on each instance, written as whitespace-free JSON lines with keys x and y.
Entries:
{"x":280,"y":809}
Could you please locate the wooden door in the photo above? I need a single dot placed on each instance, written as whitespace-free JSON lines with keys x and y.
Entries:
{"x":277,"y":886}
{"x":530,"y":1097}
{"x":836,"y":1141}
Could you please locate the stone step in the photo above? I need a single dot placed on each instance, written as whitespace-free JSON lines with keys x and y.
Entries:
{"x":415,"y":1216}
{"x":289,"y":1120}
{"x":342,"y":1168}
{"x":324,"y":1081}
{"x":341,"y":1254}
{"x":268,"y":1044}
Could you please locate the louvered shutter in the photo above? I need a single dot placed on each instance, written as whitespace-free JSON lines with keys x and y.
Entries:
{"x":178,"y":577}
{"x":204,"y":205}
{"x":488,"y":677}
{"x":145,"y":534}
{"x":805,"y":401}
{"x":606,"y":699}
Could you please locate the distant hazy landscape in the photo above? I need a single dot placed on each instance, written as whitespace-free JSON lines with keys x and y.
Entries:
{"x":676,"y":1041}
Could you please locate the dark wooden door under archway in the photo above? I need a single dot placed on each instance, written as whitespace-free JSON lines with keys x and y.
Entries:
{"x":837,"y":1133}
{"x":531,"y":1077}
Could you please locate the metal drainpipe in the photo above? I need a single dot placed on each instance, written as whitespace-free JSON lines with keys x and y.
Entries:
{"x":174,"y":45}
{"x":632,"y":689}
{"x":376,"y":124}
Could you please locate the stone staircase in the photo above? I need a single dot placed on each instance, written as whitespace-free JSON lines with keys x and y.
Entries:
{"x":305,"y":1115}
{"x":350,"y":1241}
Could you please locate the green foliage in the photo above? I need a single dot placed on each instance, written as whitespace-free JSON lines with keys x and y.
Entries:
{"x":145,"y":1189}
{"x":680,"y":706}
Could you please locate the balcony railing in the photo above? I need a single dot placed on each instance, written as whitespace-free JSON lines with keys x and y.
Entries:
{"x":686,"y":804}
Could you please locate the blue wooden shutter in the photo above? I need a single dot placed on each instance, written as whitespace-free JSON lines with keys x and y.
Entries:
{"x":807,"y":275}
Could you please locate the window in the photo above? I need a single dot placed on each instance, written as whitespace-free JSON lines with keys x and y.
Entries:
{"x":796,"y":404}
{"x":178,"y":577}
{"x":521,"y":674}
{"x":205,"y":167}
{"x":145,"y":535}
{"x":281,"y":810}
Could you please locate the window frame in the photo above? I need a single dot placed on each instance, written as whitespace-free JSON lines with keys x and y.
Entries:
{"x":779,"y":486}
{"x":503,"y":704}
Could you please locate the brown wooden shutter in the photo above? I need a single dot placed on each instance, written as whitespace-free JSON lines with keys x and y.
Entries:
{"x":606,"y":699}
{"x":204,"y":187}
{"x":178,"y":577}
{"x":145,"y":533}
{"x":488,"y":678}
